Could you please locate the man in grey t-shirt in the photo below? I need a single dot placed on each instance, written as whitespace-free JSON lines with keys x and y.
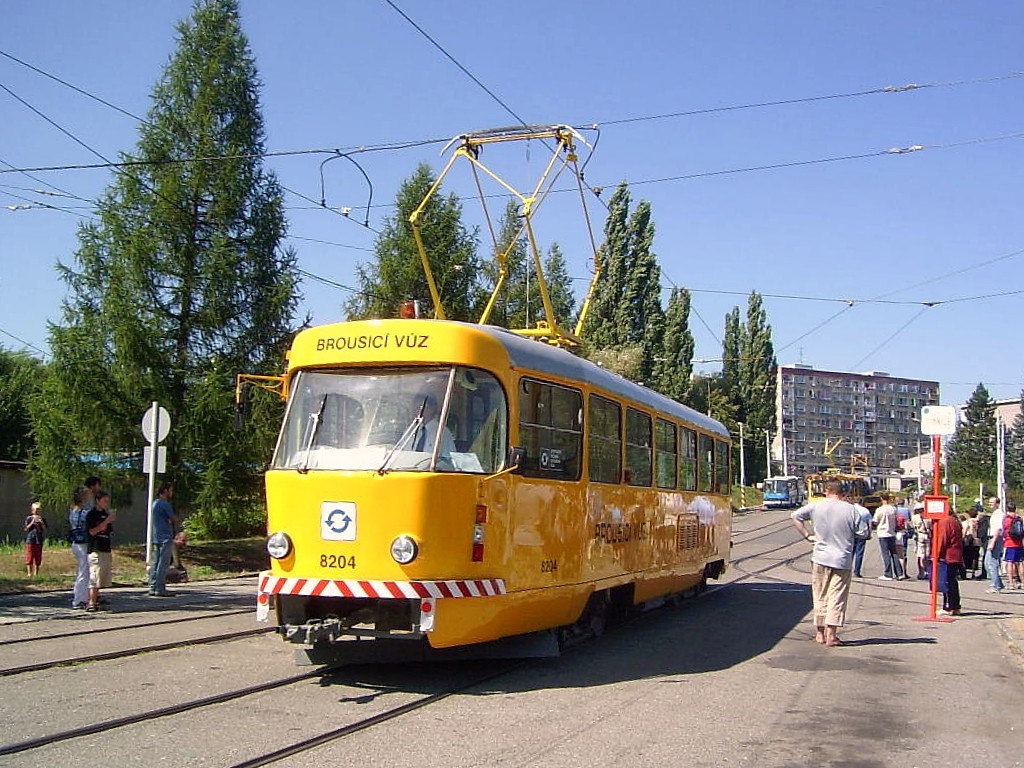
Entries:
{"x":836,"y":527}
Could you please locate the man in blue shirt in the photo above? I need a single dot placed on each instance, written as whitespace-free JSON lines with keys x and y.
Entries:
{"x":163,"y":540}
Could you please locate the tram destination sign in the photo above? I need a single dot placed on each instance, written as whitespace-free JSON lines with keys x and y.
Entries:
{"x":938,"y":420}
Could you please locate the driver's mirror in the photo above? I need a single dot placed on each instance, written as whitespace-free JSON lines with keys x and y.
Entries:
{"x":515,"y":459}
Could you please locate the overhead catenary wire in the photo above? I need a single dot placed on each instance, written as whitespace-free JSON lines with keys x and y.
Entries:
{"x":333,"y":153}
{"x":884,"y":90}
{"x":889,"y":338}
{"x":785,"y":102}
{"x":24,"y":343}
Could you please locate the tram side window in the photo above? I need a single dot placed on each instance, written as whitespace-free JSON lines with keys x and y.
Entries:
{"x":604,"y":440}
{"x":706,"y":474}
{"x":665,"y":464}
{"x":638,"y":448}
{"x":550,"y":430}
{"x":721,"y":466}
{"x":687,"y":459}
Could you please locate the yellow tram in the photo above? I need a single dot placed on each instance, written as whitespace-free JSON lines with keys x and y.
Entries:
{"x":442,"y":485}
{"x":853,"y":486}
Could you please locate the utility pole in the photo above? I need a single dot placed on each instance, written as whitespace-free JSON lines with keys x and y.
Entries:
{"x":920,"y":487}
{"x":768,"y":452}
{"x":1000,"y":456}
{"x":743,"y":470}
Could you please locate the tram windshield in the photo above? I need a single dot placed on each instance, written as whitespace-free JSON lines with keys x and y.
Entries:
{"x":409,"y":420}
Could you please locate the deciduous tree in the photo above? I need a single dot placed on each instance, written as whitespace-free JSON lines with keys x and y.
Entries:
{"x":675,"y":368}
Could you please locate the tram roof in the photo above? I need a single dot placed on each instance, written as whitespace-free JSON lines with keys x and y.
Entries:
{"x":546,"y":358}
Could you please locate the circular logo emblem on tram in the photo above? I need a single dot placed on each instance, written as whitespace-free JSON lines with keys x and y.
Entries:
{"x":338,"y":521}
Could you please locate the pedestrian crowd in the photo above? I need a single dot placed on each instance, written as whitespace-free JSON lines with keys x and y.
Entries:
{"x":981,"y":544}
{"x":90,"y":535}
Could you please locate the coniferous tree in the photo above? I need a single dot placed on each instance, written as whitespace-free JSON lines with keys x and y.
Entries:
{"x":20,"y":376}
{"x":757,"y":380}
{"x":971,"y":453}
{"x":675,"y":367}
{"x":396,"y":274}
{"x":1015,"y":450}
{"x":180,"y":283}
{"x":556,"y":273}
{"x":512,"y":306}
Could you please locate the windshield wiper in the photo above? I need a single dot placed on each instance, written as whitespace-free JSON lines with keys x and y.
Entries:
{"x":406,"y":436}
{"x":316,"y":419}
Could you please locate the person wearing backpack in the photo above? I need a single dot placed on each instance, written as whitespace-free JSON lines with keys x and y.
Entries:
{"x":1013,"y":546}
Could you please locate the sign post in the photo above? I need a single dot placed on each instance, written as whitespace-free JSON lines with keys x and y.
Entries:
{"x":156,"y":424}
{"x":936,"y":420}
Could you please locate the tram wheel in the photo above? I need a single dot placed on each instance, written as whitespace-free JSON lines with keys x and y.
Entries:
{"x":596,"y":613}
{"x":592,"y":621}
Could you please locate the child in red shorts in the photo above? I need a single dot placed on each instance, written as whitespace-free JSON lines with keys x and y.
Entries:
{"x":35,"y":535}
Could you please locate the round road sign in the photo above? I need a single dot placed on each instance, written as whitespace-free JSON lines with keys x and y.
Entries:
{"x":163,"y":426}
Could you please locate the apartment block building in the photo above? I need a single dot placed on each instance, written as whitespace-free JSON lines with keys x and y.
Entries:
{"x":831,"y":418}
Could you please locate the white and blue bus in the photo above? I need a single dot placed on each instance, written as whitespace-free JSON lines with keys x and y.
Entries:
{"x":786,"y":492}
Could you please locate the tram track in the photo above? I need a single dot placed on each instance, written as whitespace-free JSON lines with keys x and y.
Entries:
{"x":154,"y":714}
{"x":224,"y":697}
{"x":306,"y":745}
{"x":134,"y":651}
{"x":35,"y":639}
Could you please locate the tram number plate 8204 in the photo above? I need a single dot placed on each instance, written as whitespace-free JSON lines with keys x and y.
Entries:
{"x":337,"y":561}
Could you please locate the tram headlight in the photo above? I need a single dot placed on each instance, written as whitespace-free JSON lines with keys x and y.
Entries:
{"x":279,"y":546}
{"x":404,"y":550}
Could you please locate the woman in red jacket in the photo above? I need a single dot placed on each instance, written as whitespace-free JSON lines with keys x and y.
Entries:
{"x":950,"y":535}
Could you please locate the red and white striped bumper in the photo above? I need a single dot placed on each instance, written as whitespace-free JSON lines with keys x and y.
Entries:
{"x":422,"y":590}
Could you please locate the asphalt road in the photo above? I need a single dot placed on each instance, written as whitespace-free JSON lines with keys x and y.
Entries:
{"x":729,"y":679}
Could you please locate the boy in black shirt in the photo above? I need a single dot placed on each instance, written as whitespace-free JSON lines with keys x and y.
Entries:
{"x":100,"y":524}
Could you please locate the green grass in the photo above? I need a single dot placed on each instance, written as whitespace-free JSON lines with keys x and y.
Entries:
{"x":745,"y":496}
{"x":203,"y":560}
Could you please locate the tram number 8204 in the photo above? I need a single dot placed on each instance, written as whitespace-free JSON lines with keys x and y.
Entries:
{"x":337,"y":561}
{"x":548,"y":566}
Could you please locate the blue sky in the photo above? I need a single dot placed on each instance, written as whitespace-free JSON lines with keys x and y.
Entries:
{"x":941,"y":224}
